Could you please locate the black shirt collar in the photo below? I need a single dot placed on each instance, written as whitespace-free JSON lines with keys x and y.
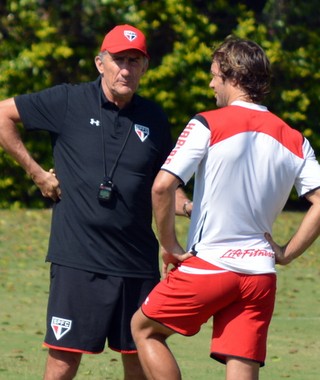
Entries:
{"x":105,"y":102}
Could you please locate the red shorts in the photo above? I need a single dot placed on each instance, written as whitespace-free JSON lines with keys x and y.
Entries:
{"x":242,"y":306}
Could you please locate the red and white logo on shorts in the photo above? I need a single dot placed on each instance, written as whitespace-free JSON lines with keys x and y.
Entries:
{"x":60,"y":326}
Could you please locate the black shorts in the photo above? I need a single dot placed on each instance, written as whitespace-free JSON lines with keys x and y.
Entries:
{"x":85,"y":309}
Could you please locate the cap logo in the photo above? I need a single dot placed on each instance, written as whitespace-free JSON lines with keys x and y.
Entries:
{"x":130,"y":35}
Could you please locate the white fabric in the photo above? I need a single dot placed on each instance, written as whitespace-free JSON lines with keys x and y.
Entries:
{"x":245,"y":163}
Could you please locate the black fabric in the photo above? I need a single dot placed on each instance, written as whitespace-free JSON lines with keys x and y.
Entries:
{"x":102,"y":312}
{"x":202,"y":120}
{"x":114,"y":238}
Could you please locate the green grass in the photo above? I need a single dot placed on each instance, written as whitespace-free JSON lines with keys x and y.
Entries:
{"x":294,"y":337}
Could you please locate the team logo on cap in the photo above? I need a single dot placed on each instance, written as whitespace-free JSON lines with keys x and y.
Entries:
{"x":141,"y":131}
{"x":60,"y":326}
{"x":130,"y":35}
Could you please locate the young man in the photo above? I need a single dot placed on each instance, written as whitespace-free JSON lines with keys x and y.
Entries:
{"x":108,"y":145}
{"x":245,"y":161}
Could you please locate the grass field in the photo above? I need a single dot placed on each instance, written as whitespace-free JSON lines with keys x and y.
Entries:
{"x":294,"y":338}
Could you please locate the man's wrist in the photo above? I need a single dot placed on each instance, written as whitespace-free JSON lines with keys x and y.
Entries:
{"x":187,"y":212}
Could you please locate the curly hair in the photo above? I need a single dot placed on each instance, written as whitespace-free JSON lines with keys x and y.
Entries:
{"x":245,"y":63}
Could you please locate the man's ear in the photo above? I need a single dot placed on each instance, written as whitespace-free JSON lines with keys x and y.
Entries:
{"x":99,"y":64}
{"x":146,"y":66}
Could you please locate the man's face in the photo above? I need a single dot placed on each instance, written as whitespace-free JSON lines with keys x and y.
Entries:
{"x":121,"y":73}
{"x":221,"y":88}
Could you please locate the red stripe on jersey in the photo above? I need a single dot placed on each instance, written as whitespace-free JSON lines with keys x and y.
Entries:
{"x":229,"y":121}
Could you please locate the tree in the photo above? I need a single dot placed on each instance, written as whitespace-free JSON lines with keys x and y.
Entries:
{"x":46,"y":42}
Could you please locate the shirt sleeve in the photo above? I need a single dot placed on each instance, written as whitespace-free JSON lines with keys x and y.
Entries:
{"x":309,"y":177}
{"x":44,"y":110}
{"x":191,"y":147}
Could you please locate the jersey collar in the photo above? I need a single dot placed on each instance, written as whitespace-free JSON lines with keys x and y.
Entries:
{"x":252,"y":106}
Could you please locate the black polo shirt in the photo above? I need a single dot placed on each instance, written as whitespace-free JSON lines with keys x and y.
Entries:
{"x":87,"y":134}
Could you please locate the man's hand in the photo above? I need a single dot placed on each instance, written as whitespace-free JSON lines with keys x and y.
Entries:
{"x":173,"y":258}
{"x":278,"y":251}
{"x":48,"y":184}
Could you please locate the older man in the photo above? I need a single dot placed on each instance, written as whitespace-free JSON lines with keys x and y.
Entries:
{"x":108,"y":145}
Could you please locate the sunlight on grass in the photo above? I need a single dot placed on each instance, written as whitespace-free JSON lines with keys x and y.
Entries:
{"x":294,"y":339}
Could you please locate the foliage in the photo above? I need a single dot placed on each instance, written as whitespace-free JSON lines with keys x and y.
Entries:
{"x":289,"y":31}
{"x":46,"y":42}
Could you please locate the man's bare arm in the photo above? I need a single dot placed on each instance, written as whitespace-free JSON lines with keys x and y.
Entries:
{"x":164,"y":206}
{"x":306,"y":234}
{"x":11,"y":142}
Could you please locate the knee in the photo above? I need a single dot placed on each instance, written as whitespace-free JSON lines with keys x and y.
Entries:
{"x":137,"y":324}
{"x":62,"y":364}
{"x":143,"y":328}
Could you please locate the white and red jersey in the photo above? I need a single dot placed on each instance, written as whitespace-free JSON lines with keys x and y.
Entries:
{"x":246,"y":161}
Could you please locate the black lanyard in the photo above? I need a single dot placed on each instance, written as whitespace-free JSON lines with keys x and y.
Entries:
{"x":104,"y":147}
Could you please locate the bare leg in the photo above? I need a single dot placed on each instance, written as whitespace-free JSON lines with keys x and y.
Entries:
{"x":61,"y":365}
{"x":155,"y":356}
{"x":240,"y":369}
{"x":132,"y":367}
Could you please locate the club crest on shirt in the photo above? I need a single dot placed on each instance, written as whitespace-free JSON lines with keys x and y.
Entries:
{"x":141,"y":131}
{"x":60,"y":326}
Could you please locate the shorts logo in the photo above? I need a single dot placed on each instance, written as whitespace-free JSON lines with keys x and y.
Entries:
{"x":60,"y":326}
{"x":141,"y":131}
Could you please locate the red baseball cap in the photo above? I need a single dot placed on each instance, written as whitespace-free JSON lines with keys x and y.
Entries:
{"x":124,"y":37}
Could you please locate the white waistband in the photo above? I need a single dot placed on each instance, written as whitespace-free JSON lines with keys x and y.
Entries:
{"x":191,"y":270}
